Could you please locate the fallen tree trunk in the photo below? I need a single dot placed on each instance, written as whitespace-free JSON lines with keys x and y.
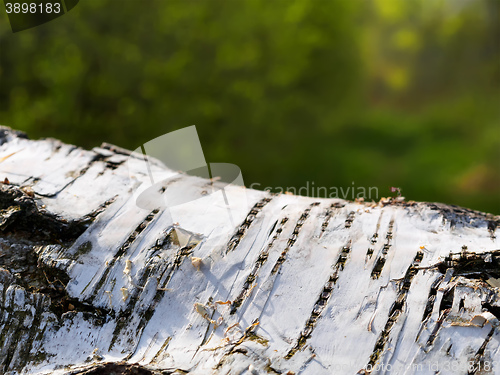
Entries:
{"x":91,"y":283}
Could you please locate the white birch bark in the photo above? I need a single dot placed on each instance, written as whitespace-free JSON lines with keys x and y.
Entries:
{"x":288,"y":285}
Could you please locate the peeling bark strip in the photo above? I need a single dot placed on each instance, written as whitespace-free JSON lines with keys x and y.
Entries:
{"x":444,"y":310}
{"x":380,"y":262}
{"x":484,"y":266}
{"x":322,"y":301}
{"x":431,"y":298}
{"x":123,"y":248}
{"x":235,"y":240}
{"x":293,"y":238}
{"x":264,"y":254}
{"x":394,"y":313}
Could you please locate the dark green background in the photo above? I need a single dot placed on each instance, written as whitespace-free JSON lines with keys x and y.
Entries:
{"x":380,"y":92}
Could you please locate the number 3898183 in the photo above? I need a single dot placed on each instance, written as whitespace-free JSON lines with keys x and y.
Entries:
{"x":33,"y":7}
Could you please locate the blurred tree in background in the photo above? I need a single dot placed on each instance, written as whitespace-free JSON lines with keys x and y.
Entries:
{"x":380,"y":92}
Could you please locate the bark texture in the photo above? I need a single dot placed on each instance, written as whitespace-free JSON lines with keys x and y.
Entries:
{"x":237,"y":283}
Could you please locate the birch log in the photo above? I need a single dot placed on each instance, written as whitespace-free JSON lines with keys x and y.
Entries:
{"x":91,"y":283}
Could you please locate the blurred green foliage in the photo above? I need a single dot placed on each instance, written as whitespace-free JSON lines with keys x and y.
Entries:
{"x":380,"y":92}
